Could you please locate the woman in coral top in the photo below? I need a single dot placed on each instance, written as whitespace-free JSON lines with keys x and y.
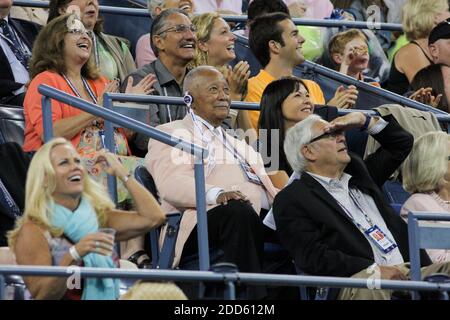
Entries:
{"x":61,"y":59}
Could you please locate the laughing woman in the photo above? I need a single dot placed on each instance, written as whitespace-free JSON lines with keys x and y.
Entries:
{"x":62,"y":59}
{"x":284,"y":103}
{"x":215,"y":47}
{"x":111,"y":54}
{"x":64,"y":211}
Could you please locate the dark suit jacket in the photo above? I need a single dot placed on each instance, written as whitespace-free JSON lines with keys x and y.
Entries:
{"x":13,"y":171}
{"x":317,"y":232}
{"x":27,"y":31}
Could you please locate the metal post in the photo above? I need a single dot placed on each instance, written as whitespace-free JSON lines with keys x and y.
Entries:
{"x":2,"y":287}
{"x":230,"y":292}
{"x":414,"y":253}
{"x":202,"y":221}
{"x":111,"y":146}
{"x":47,"y":118}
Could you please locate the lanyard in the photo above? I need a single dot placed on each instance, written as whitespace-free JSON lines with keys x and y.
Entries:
{"x":96,"y":54}
{"x":86,"y":86}
{"x":349,"y":214}
{"x":233,"y":150}
{"x":167,"y":106}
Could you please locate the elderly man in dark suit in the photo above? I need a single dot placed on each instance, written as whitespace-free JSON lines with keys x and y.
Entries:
{"x":334,"y":220}
{"x":16,"y":41}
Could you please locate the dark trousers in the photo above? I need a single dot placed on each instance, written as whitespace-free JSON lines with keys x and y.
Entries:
{"x":237,"y":231}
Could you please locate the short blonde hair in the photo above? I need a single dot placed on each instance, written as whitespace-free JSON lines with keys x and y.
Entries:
{"x":40,"y":185}
{"x":204,"y":24}
{"x":418,"y":17}
{"x":426,"y":166}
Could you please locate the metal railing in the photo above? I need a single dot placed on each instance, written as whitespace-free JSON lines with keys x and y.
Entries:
{"x":225,"y":277}
{"x":239,"y":105}
{"x":298,"y":21}
{"x":110,"y":117}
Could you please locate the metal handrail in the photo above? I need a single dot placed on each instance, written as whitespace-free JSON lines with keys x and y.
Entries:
{"x":239,"y":105}
{"x":230,"y":18}
{"x":223,"y":276}
{"x":110,"y":117}
{"x":121,"y":120}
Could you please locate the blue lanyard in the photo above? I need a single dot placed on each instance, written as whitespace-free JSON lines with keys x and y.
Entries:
{"x":233,"y":150}
{"x":86,"y":86}
{"x":355,"y":201}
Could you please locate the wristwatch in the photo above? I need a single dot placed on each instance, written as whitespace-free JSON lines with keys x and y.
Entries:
{"x":366,"y":123}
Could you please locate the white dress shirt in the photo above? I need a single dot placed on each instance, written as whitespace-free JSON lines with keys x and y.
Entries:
{"x":213,"y":193}
{"x":345,"y":197}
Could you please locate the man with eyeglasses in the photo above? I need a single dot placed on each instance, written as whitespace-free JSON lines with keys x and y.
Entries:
{"x":16,"y":41}
{"x":334,"y":220}
{"x":173,"y":41}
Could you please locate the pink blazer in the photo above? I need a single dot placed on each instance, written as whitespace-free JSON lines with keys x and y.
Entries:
{"x":173,"y":172}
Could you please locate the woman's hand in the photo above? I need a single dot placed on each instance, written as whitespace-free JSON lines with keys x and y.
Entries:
{"x":145,"y":86}
{"x":344,"y":98}
{"x":110,"y":163}
{"x":97,"y":242}
{"x":112,"y":87}
{"x":237,"y":78}
{"x":424,"y":95}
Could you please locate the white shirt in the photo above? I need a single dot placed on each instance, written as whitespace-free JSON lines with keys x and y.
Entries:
{"x":213,"y":193}
{"x":20,"y":73}
{"x":339,"y":189}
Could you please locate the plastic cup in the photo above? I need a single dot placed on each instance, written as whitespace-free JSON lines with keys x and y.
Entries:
{"x":111,"y":232}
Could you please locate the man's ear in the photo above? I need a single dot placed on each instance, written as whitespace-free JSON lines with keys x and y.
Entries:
{"x":337,"y":58}
{"x":434,"y":51}
{"x":274,"y":46}
{"x":158,"y":41}
{"x":308,"y":153}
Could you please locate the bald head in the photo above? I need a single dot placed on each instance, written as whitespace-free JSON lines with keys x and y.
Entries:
{"x":197,"y":76}
{"x":211,"y":93}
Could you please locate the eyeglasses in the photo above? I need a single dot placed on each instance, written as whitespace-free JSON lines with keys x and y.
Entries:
{"x":179,"y":28}
{"x":326,"y":135}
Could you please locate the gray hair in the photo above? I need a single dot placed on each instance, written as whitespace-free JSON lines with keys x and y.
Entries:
{"x":153,"y":4}
{"x":296,"y":138}
{"x":159,"y":24}
{"x":192,"y":75}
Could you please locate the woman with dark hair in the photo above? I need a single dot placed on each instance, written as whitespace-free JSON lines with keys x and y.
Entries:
{"x":111,"y":53}
{"x":431,"y":78}
{"x":284,"y":103}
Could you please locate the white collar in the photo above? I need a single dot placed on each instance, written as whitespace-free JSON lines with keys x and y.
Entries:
{"x":216,"y":130}
{"x":342,"y":181}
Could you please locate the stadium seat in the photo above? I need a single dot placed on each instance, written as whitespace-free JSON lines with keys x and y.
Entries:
{"x":12,"y":124}
{"x":161,"y":259}
{"x":427,"y":236}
